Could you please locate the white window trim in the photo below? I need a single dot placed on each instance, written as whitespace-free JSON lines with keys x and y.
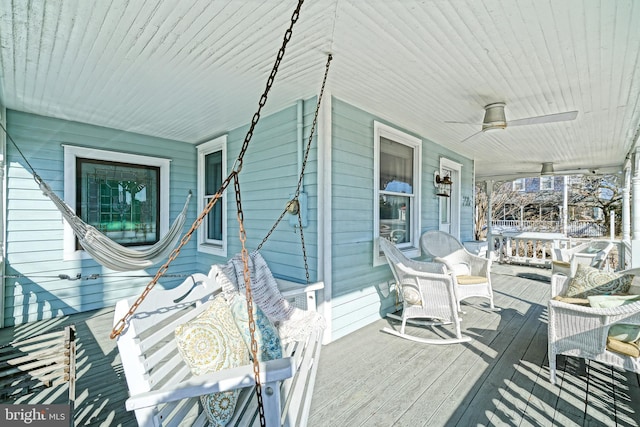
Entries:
{"x":412,"y":248}
{"x":520,"y":180}
{"x":549,"y":179}
{"x":455,"y":196}
{"x":217,"y":144}
{"x":72,"y":152}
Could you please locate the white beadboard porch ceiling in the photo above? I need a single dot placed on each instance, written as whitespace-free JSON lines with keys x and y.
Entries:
{"x":192,"y":69}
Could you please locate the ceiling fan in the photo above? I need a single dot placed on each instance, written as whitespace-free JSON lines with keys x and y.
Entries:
{"x":548,"y":169}
{"x":495,"y":119}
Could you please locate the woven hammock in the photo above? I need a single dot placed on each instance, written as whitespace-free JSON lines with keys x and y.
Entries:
{"x":110,"y":253}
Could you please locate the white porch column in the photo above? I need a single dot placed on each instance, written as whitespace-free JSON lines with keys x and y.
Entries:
{"x":626,"y":204}
{"x":635,"y":213}
{"x":489,"y":191}
{"x":565,"y":206}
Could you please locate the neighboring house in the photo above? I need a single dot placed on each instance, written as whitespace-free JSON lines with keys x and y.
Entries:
{"x":537,"y":198}
{"x":542,"y":198}
{"x":349,"y":206}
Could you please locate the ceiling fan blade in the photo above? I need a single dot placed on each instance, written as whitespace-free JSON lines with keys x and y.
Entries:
{"x":471,"y":136}
{"x":462,"y":123}
{"x":549,"y":118}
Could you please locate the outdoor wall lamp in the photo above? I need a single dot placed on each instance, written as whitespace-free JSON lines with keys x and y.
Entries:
{"x":442,"y":184}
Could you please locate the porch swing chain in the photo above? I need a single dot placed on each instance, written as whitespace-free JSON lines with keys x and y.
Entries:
{"x":296,"y":195}
{"x":120,"y":325}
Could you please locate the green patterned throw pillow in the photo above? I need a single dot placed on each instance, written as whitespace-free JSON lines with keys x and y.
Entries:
{"x":590,"y":281}
{"x":209,"y":343}
{"x":267,"y":338}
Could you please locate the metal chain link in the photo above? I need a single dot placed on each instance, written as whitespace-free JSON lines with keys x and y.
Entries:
{"x":247,"y":285}
{"x":301,"y":176}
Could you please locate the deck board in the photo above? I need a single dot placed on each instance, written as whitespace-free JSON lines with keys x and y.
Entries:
{"x":370,"y":378}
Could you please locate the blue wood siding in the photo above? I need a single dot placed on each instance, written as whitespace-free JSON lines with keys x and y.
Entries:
{"x":360,"y":291}
{"x":35,"y":226}
{"x":268,"y":178}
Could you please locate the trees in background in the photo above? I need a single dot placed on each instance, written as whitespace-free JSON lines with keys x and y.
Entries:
{"x":589,"y":198}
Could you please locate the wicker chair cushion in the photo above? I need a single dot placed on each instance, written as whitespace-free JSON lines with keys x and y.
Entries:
{"x":471,"y":280}
{"x":624,"y":333}
{"x":608,"y":301}
{"x":577,"y":301}
{"x":209,"y":343}
{"x":627,"y":348}
{"x":590,"y":281}
{"x":619,"y":332}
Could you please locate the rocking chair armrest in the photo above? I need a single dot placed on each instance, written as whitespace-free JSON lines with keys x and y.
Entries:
{"x":479,"y":266}
{"x":228,"y":379}
{"x":446,"y":262}
{"x":438,"y":274}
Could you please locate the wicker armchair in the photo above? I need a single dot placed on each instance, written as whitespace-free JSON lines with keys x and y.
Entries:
{"x":471,"y":273}
{"x":582,"y":331}
{"x":594,"y":254}
{"x":427,"y":294}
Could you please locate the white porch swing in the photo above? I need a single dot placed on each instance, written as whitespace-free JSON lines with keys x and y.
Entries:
{"x":157,"y":333}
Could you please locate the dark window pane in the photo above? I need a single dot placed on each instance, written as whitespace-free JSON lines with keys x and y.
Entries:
{"x":213,"y":181}
{"x":121,"y":200}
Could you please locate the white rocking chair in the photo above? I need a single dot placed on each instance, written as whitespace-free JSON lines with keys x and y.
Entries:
{"x":471,"y":273}
{"x":427,"y":293}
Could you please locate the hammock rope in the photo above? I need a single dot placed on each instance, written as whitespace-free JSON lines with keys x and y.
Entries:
{"x":108,"y":252}
{"x":105,"y":251}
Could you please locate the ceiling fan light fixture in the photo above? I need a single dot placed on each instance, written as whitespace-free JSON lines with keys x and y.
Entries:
{"x":547,"y":169}
{"x":494,"y":118}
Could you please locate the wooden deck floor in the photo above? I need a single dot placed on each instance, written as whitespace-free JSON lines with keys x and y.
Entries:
{"x":370,"y":378}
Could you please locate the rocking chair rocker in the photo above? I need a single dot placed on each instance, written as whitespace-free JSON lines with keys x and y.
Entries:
{"x":427,"y":293}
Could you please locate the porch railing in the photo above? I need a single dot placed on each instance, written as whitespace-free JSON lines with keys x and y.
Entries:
{"x":536,"y":248}
{"x":574,"y":228}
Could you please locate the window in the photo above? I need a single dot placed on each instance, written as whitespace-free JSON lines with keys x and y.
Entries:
{"x":119,"y":199}
{"x":546,"y":183}
{"x":212,"y":160}
{"x":125,"y":196}
{"x":397,"y":189}
{"x":518,"y":184}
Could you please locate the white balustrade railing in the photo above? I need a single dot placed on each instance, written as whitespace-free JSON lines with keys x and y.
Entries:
{"x":574,"y":228}
{"x":536,"y":248}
